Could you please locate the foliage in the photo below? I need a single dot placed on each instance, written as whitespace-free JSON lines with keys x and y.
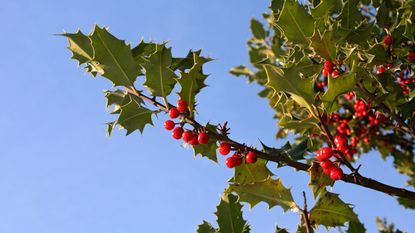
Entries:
{"x":331,"y":70}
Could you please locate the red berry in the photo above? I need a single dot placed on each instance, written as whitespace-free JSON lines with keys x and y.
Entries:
{"x":224,"y":148}
{"x":411,"y":57}
{"x":251,"y":157}
{"x":387,"y":40}
{"x":187,"y":136}
{"x":194,"y":141}
{"x":324,"y":153}
{"x":325,"y":72}
{"x":326,"y":164}
{"x":203,"y":138}
{"x":177,"y":133}
{"x":328,"y":65}
{"x":380,"y":70}
{"x":169,"y":125}
{"x":335,"y":73}
{"x":174,"y":113}
{"x":233,"y":161}
{"x":340,"y":141}
{"x":336,"y":173}
{"x":182,"y":106}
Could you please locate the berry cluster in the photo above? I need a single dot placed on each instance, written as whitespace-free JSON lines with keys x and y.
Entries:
{"x":329,"y":167}
{"x":200,"y":136}
{"x":236,"y":159}
{"x":192,"y":137}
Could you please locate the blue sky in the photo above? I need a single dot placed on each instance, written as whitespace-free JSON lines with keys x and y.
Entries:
{"x":60,"y":173}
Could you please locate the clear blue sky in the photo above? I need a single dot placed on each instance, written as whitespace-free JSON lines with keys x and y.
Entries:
{"x":59,"y":173}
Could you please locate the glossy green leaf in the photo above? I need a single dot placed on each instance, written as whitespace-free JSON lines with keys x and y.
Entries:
{"x":318,"y":179}
{"x":80,"y":46}
{"x":356,"y":227}
{"x":407,"y":203}
{"x":330,"y":211}
{"x":295,"y":23}
{"x":350,"y":16}
{"x":250,"y":173}
{"x":114,"y":57}
{"x":134,"y":117}
{"x":270,"y":191}
{"x":281,"y":230}
{"x":241,"y":70}
{"x":160,"y":79}
{"x":337,"y":86}
{"x":257,"y":29}
{"x":325,"y":8}
{"x":207,"y":150}
{"x":301,"y":90}
{"x":205,"y":227}
{"x":229,"y":215}
{"x":324,"y":45}
{"x":193,"y":81}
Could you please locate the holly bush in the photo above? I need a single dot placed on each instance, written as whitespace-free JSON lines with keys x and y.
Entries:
{"x":339,"y":76}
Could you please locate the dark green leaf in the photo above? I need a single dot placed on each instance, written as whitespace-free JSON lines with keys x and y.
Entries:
{"x":229,"y":215}
{"x":134,"y":116}
{"x":193,"y":81}
{"x":241,"y":70}
{"x":351,"y":16}
{"x":80,"y":46}
{"x":356,"y":227}
{"x":330,"y":211}
{"x":324,"y":45}
{"x":160,"y":79}
{"x":409,"y":204}
{"x":325,"y":8}
{"x":270,"y":191}
{"x":281,"y":230}
{"x":205,"y":227}
{"x":114,"y":58}
{"x":258,"y":30}
{"x":301,"y":90}
{"x":318,"y":179}
{"x":295,"y":23}
{"x":250,"y":173}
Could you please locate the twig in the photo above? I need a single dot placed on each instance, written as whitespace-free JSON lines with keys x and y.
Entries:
{"x":282,"y":159}
{"x":306,"y":217}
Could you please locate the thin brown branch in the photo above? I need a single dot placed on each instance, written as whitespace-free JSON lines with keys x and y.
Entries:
{"x":282,"y":159}
{"x":305,"y":215}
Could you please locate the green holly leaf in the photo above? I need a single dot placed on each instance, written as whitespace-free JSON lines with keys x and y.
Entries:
{"x":110,"y":127}
{"x":193,"y":81}
{"x":160,"y":79}
{"x":229,"y":215}
{"x":281,"y":230}
{"x":337,"y":86}
{"x":356,"y":227}
{"x":407,"y":203}
{"x":184,"y":63}
{"x":207,"y":150}
{"x":258,"y":30}
{"x":119,"y":98}
{"x":324,"y":45}
{"x":301,"y":229}
{"x":241,"y":70}
{"x":144,"y":49}
{"x":80,"y":46}
{"x":350,"y":15}
{"x":295,"y":22}
{"x":134,"y":117}
{"x":114,"y":58}
{"x":250,"y":173}
{"x":301,"y":90}
{"x":298,"y":125}
{"x":330,"y":211}
{"x":318,"y":179}
{"x":407,"y":109}
{"x":297,"y":152}
{"x":205,"y":227}
{"x":270,"y":191}
{"x":325,"y":8}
